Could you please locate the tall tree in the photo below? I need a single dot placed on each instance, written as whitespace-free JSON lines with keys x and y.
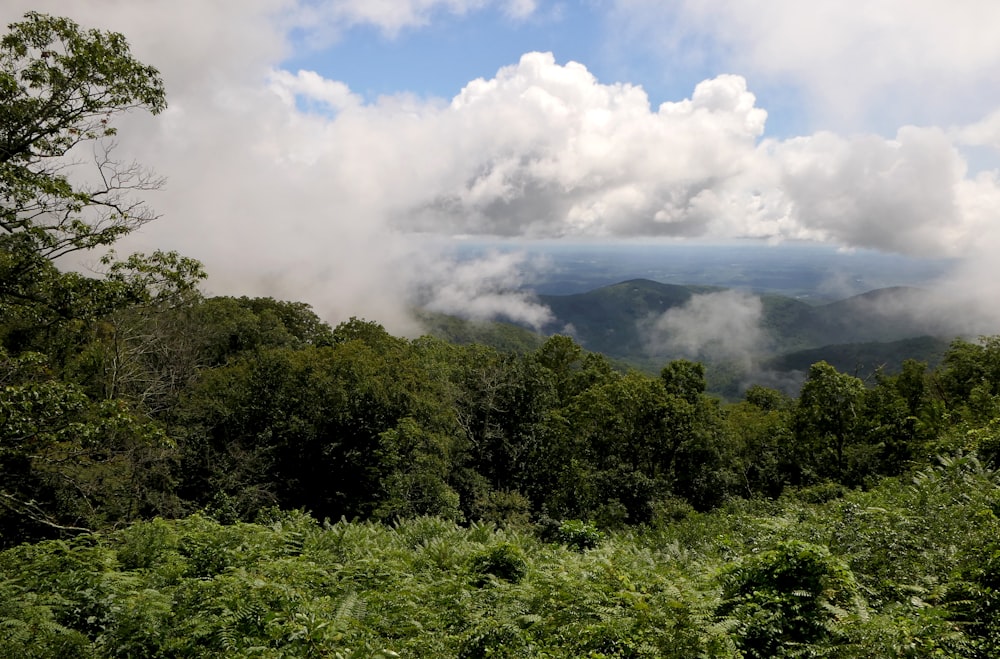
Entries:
{"x":61,"y":453}
{"x":829,"y":415}
{"x":61,"y":88}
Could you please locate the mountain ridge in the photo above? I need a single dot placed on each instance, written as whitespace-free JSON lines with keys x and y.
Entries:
{"x":876,"y":328}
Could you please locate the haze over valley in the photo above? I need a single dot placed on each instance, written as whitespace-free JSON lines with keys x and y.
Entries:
{"x":753,"y":313}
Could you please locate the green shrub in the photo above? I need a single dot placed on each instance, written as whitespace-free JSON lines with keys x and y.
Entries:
{"x":818,"y":493}
{"x":579,"y":535}
{"x":504,"y":561}
{"x":146,"y":545}
{"x":573,"y":533}
{"x":505,"y":641}
{"x":784,"y":598}
{"x":506,"y":508}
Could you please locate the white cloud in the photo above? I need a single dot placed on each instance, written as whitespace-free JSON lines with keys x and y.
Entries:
{"x":907,"y":60}
{"x":725,"y":325}
{"x":895,"y":195}
{"x":520,"y":8}
{"x":309,"y":85}
{"x":485,"y":288}
{"x":555,"y":152}
{"x":287,"y":184}
{"x":985,"y":132}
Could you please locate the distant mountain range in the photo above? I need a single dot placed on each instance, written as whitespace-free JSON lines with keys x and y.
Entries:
{"x":647,"y":323}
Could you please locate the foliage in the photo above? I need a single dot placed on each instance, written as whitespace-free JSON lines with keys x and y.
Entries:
{"x":75,"y":453}
{"x":785,"y":598}
{"x":500,"y":335}
{"x":164,"y":457}
{"x":828,"y":417}
{"x":573,"y":533}
{"x":904,"y":569}
{"x":503,"y":561}
{"x":90,"y":459}
{"x":60,"y":87}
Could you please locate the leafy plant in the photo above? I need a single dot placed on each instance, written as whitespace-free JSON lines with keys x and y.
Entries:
{"x":503,"y":561}
{"x":579,"y":535}
{"x":790,"y":596}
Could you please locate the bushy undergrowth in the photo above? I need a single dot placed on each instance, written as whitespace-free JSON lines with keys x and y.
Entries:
{"x":905,"y":569}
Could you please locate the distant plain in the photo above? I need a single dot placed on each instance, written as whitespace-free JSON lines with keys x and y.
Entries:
{"x":807,"y":271}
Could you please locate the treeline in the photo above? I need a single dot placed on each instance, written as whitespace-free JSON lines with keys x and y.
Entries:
{"x":237,"y":405}
{"x":128,"y":395}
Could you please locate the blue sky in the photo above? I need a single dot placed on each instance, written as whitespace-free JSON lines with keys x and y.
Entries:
{"x":881,"y":59}
{"x":441,"y":57}
{"x":332,"y":150}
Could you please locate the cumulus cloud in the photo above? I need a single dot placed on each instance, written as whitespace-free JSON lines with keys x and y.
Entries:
{"x":725,"y":325}
{"x":898,"y":60}
{"x":898,"y":195}
{"x":289,"y":184}
{"x":556,"y":153}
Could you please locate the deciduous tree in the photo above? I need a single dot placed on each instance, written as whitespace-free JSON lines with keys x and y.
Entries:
{"x":829,"y":414}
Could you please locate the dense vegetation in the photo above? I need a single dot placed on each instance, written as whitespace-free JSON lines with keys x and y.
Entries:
{"x":173,"y":467}
{"x":907,"y":569}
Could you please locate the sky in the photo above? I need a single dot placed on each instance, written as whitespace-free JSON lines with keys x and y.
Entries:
{"x":332,"y":151}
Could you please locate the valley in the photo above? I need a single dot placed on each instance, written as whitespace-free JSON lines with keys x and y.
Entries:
{"x":742,"y":338}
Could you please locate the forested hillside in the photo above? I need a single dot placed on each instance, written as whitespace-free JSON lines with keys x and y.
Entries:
{"x":782,"y":336}
{"x":615,"y":320}
{"x":183,"y":475}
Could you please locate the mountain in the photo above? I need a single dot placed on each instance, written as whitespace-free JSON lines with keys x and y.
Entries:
{"x":880,"y":328}
{"x":884,"y":314}
{"x":608,"y":319}
{"x":863,"y":359}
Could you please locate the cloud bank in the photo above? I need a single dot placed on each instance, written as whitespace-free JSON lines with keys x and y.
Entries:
{"x":287,"y":183}
{"x":485,"y":288}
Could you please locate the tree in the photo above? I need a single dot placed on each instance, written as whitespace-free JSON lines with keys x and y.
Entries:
{"x":685,"y":379}
{"x":829,"y":413}
{"x":67,"y":460}
{"x":69,"y":463}
{"x":969,"y":378}
{"x":766,"y":399}
{"x":785,"y":598}
{"x":60,"y":87}
{"x":560,"y":356}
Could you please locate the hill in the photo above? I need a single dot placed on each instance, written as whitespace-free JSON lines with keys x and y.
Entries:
{"x":879,"y":328}
{"x":504,"y":336}
{"x":863,"y":359}
{"x":608,"y":319}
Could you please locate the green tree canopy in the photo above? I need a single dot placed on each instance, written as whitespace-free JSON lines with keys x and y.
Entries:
{"x":67,"y":459}
{"x":829,"y":413}
{"x":61,"y":86}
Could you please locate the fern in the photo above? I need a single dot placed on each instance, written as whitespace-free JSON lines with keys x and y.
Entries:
{"x":427,"y":587}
